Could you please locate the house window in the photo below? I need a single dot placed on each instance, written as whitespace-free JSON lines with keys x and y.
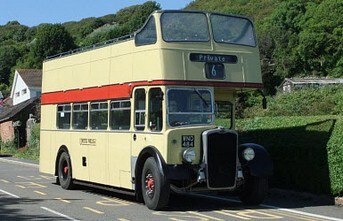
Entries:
{"x":17,"y":94}
{"x":24,"y":91}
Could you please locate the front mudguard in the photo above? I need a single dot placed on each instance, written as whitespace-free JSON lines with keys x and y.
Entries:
{"x":261,"y":165}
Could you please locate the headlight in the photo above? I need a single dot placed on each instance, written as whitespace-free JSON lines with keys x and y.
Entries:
{"x":189,"y":155}
{"x":248,"y":154}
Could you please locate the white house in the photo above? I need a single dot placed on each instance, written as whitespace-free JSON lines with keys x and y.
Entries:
{"x":27,"y":83}
{"x":290,"y":84}
{"x":22,"y":103}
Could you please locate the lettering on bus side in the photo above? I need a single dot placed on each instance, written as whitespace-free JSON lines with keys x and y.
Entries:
{"x":87,"y":141}
{"x":187,"y":140}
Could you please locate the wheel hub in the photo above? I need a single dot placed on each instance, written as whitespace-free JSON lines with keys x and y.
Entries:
{"x":65,"y":170}
{"x":150,"y":185}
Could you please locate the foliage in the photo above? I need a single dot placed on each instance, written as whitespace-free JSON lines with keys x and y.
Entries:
{"x":13,"y":31}
{"x":320,"y":45}
{"x":298,"y":146}
{"x":51,"y":40}
{"x":125,"y":22}
{"x":296,"y":38}
{"x":304,"y":102}
{"x":7,"y":148}
{"x":33,"y":146}
{"x":8,"y":57}
{"x":30,"y":152}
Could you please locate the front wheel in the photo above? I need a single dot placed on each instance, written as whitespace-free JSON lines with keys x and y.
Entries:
{"x":254,"y":190}
{"x":155,"y":186}
{"x":65,"y":172}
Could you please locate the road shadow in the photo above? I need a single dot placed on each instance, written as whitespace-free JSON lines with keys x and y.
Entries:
{"x":13,"y":209}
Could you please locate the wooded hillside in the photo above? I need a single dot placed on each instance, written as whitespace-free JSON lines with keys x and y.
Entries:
{"x":296,"y":38}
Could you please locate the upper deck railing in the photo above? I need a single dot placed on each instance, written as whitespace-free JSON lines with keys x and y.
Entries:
{"x":92,"y":47}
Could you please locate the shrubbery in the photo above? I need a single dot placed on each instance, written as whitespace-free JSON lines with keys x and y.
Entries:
{"x":302,"y":131}
{"x":306,"y":102}
{"x":33,"y":145}
{"x":31,"y":151}
{"x":307,"y":151}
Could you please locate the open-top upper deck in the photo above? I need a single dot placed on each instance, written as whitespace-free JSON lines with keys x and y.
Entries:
{"x":173,"y":47}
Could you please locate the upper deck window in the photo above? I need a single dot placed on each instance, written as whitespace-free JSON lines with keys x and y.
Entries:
{"x":233,"y":30}
{"x":148,"y":33}
{"x":184,"y":27}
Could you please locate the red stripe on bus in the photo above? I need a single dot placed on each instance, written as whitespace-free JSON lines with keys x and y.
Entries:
{"x":119,"y":91}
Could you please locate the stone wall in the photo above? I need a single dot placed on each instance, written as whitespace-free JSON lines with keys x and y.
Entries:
{"x":6,"y":131}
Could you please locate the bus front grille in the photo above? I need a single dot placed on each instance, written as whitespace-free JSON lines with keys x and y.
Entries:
{"x":220,"y":149}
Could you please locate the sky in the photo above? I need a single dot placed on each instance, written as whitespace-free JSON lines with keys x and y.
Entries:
{"x":34,"y":12}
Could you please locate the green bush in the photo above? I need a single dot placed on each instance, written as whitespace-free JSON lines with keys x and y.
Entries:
{"x":8,"y":147}
{"x":307,"y":152}
{"x":32,"y":151}
{"x":305,"y":102}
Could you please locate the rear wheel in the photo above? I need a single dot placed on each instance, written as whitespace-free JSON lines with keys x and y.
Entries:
{"x":254,"y":190}
{"x":65,"y":172}
{"x":155,"y":187}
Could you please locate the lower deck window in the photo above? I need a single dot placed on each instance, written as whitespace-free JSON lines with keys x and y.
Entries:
{"x":99,"y":115}
{"x":80,"y":116}
{"x":120,"y":115}
{"x":63,"y":116}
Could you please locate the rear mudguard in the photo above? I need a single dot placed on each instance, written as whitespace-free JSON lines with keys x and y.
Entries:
{"x":261,"y":165}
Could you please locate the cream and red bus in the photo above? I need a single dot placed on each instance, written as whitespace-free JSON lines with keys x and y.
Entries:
{"x":137,"y":114}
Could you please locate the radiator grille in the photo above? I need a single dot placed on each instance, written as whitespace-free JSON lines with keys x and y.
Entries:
{"x":221,"y":159}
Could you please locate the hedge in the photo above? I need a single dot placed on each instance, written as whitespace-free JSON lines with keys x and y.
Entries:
{"x":307,"y":152}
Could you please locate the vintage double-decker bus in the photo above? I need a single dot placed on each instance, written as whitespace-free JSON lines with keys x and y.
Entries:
{"x":138,"y":114}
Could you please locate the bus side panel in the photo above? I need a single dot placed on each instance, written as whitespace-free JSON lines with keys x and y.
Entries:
{"x":46,"y":162}
{"x":147,"y":64}
{"x":77,"y":151}
{"x":97,"y":161}
{"x":119,"y":155}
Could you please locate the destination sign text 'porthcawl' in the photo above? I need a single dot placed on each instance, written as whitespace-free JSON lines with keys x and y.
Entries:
{"x":213,"y":58}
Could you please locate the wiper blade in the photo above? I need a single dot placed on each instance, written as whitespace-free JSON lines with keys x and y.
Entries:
{"x":201,"y":97}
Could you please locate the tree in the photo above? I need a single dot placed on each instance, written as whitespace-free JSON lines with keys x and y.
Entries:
{"x":320,"y":41}
{"x":8,"y":58}
{"x":51,"y":39}
{"x":127,"y":21}
{"x":285,"y":25}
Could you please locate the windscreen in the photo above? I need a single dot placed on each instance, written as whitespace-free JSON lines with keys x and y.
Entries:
{"x":189,"y":106}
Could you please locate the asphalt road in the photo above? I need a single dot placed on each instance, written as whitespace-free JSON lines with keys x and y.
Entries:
{"x":26,"y":194}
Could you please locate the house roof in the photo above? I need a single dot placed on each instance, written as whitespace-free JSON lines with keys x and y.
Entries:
{"x":9,"y":111}
{"x":31,"y":77}
{"x":313,"y":81}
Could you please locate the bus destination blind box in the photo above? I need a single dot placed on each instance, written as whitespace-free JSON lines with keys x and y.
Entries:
{"x":213,"y":58}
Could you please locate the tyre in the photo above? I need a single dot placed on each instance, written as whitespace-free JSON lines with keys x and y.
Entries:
{"x":254,"y":190}
{"x":65,"y":172}
{"x":155,"y":186}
